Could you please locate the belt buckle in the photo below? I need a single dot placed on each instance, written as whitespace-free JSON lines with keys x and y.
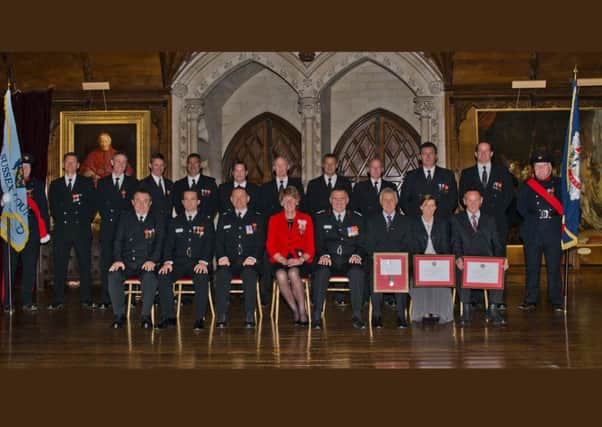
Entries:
{"x":239,"y":249}
{"x":544,"y":214}
{"x":339,"y":250}
{"x":188,"y":252}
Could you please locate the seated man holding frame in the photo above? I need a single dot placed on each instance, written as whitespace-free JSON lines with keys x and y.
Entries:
{"x":475,"y":234}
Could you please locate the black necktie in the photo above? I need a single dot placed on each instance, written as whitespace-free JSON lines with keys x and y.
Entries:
{"x":239,"y":215}
{"x":189,"y":218}
{"x":281,"y":186}
{"x":141,"y":218}
{"x":330,"y":183}
{"x":340,"y":219}
{"x":389,"y":221}
{"x":376,"y":186}
{"x":193,"y":183}
{"x":161,"y":186}
{"x":70,"y":185}
{"x":429,"y":178}
{"x":117,"y":183}
{"x":484,"y":176}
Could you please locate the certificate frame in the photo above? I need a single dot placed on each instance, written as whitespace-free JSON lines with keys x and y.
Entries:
{"x":420,"y":283}
{"x":499,"y":285}
{"x":390,"y":283}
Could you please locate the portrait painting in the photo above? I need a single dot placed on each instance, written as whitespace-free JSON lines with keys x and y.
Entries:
{"x":95,"y":136}
{"x":517,"y":133}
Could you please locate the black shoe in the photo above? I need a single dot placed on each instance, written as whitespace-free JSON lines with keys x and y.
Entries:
{"x":117,"y":324}
{"x":146,"y":323}
{"x":222,"y":321}
{"x":199,"y":325}
{"x":527,"y":306}
{"x":402,"y":323}
{"x":377,"y":322}
{"x":558,"y":308}
{"x":55,"y":307}
{"x":502,"y":307}
{"x":340,"y":302}
{"x":466,"y":315}
{"x":88,"y":305}
{"x":430,"y":319}
{"x":103,"y":306}
{"x":303,"y":322}
{"x":316,"y":324}
{"x":391,"y":303}
{"x":358,"y":323}
{"x":494,"y":317}
{"x":163,"y":324}
{"x":30,"y":307}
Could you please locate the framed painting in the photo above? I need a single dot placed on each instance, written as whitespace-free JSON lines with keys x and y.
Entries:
{"x":96,"y":135}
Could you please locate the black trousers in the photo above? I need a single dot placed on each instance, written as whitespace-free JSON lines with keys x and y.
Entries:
{"x":201,"y":290}
{"x":107,"y":235}
{"x":224,"y":275}
{"x":265,"y":285}
{"x":322,"y":275}
{"x":148,"y":280}
{"x":551,"y":248}
{"x":29,"y":259}
{"x":62,"y":248}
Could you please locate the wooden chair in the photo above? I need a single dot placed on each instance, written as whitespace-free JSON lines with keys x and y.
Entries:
{"x":178,"y":290}
{"x":275,"y":309}
{"x":338,"y":281}
{"x":134,"y":287}
{"x":237,"y":281}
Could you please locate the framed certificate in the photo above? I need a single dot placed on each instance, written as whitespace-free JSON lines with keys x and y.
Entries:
{"x":390,"y":272}
{"x":432,"y":271}
{"x":483,"y":273}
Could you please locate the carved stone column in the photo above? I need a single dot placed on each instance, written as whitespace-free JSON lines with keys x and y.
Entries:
{"x":424,"y":106}
{"x":311,"y":148}
{"x":189,"y":143}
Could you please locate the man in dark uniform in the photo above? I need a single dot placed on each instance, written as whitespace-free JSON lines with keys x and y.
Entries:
{"x":159,"y":187}
{"x":270,"y":199}
{"x":497,"y":188}
{"x":136,"y":253}
{"x":318,"y":189}
{"x":318,"y":195}
{"x":340,"y":250}
{"x":240,"y":245}
{"x":72,"y":207}
{"x":114,"y":195}
{"x":39,"y":227}
{"x":188,"y":252}
{"x":387,"y":231}
{"x":429,"y":179}
{"x":474,"y":233}
{"x":365,"y":195}
{"x":239,"y":176}
{"x":538,"y":203}
{"x":204,"y":185}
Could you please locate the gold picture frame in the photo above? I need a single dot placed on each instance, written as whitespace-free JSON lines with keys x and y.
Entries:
{"x":136,"y":123}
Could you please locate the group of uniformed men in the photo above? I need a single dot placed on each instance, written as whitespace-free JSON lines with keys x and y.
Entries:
{"x":141,"y":237}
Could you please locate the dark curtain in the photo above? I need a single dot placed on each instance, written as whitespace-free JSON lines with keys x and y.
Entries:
{"x":32,"y":116}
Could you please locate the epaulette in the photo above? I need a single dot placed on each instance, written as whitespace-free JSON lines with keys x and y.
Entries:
{"x":321,"y":211}
{"x":357,"y":213}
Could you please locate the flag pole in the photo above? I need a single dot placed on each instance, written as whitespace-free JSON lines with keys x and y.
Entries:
{"x":10,"y":273}
{"x":568,"y":250}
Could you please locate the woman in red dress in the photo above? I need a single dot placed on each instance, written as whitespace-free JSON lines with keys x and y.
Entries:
{"x":290,"y":245}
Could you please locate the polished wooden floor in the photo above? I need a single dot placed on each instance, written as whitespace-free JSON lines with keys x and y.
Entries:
{"x":79,"y":338}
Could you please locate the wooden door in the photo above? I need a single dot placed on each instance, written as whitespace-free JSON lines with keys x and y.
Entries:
{"x":258,"y":142}
{"x":381,"y":134}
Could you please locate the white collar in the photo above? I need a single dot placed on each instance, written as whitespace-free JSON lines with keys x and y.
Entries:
{"x":196,"y":178}
{"x":117,"y":176}
{"x":193,"y":215}
{"x":333,"y":178}
{"x":337,"y":214}
{"x":284,"y":181}
{"x":242,"y":212}
{"x":378,"y":181}
{"x":392,"y":215}
{"x":138,"y":215}
{"x":477,"y":214}
{"x":487,"y":166}
{"x":239,"y":184}
{"x":72,"y":178}
{"x":432,"y":169}
{"x":157,"y":179}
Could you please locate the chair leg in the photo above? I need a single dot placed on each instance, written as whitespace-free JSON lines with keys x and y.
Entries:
{"x":409,"y":309}
{"x":129,"y":308}
{"x":179,"y":290}
{"x":307,"y":300}
{"x":211,"y":307}
{"x":273,"y":305}
{"x":277,"y":293}
{"x":370,"y":311}
{"x":486,"y":294}
{"x":153,"y":314}
{"x":259,"y":302}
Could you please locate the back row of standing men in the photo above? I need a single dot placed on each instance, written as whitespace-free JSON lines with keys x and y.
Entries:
{"x":74,"y":202}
